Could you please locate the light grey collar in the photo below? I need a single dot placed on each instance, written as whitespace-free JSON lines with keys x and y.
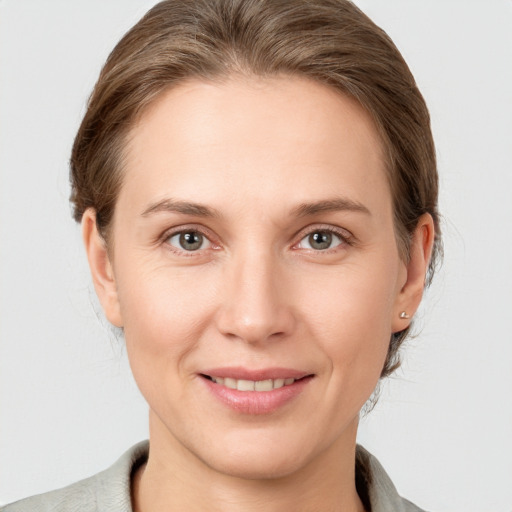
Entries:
{"x":109,"y":491}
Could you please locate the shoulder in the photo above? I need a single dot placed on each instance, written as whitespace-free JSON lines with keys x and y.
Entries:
{"x":105,"y":491}
{"x":110,"y":489}
{"x":382,"y":494}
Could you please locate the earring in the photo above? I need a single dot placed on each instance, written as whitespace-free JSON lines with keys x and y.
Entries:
{"x":404,"y":315}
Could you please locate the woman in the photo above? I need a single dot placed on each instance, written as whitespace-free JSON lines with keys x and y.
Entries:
{"x":257,"y":188}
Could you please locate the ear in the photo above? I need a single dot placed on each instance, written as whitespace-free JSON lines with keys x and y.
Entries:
{"x":101,"y":268}
{"x":410,"y":295}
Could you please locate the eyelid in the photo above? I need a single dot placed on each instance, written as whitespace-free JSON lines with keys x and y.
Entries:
{"x":346,"y":236}
{"x":205,"y":241}
{"x":184,"y":228}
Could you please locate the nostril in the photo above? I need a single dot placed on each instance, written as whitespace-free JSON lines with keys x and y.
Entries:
{"x":256,"y":315}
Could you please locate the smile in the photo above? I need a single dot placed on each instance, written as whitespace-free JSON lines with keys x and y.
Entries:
{"x":255,"y":392}
{"x":251,"y":385}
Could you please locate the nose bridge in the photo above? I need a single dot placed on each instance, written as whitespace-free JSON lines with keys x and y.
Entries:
{"x":254,"y":308}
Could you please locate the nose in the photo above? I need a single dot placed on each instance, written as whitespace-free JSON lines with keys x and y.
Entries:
{"x":256,"y":306}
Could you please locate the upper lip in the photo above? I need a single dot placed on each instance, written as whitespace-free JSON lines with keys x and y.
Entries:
{"x":240,"y":373}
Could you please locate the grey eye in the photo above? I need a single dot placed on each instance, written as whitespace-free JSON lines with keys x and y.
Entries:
{"x":320,"y":240}
{"x":189,"y":241}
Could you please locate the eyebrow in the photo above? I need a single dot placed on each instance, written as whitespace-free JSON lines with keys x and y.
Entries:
{"x":302,"y":210}
{"x":330,"y":205}
{"x":183,"y":207}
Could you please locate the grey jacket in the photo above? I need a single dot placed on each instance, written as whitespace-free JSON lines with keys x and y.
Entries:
{"x":109,"y":491}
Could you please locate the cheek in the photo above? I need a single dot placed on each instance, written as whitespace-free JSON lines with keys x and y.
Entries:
{"x":351,"y":318}
{"x":165,"y":313}
{"x":163,"y":301}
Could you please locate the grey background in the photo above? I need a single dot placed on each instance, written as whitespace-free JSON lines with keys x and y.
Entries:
{"x":68,"y":404}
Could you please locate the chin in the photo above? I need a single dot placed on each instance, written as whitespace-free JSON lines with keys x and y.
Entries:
{"x":265,"y":466}
{"x":257,"y":456}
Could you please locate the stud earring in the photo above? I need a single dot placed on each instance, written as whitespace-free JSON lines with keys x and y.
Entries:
{"x":404,"y":315}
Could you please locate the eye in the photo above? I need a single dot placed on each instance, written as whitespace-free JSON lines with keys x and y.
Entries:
{"x":189,"y":241}
{"x":321,"y":240}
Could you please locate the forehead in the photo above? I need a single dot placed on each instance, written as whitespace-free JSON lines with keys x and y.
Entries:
{"x":271,"y":139}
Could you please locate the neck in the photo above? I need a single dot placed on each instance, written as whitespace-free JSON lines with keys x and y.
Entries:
{"x":176,"y":479}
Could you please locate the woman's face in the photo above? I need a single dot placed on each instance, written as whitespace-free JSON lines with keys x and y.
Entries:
{"x":253,"y":247}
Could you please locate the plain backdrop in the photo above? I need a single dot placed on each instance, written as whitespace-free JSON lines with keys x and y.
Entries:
{"x":68,"y":404}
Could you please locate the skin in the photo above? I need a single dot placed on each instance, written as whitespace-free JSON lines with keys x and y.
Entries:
{"x":256,"y":294}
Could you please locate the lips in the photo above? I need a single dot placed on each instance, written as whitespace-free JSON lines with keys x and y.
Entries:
{"x":255,"y":391}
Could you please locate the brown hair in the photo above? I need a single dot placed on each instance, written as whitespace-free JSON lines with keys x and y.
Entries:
{"x":330,"y":41}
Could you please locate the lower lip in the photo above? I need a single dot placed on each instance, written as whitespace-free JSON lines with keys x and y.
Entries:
{"x":257,"y":402}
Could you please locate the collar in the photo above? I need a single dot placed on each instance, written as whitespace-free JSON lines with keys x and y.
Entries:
{"x":110,"y":490}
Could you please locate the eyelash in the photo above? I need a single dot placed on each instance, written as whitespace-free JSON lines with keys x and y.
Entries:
{"x":345,"y":237}
{"x":188,"y":229}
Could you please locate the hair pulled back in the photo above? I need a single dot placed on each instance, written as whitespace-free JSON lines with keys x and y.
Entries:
{"x":330,"y":41}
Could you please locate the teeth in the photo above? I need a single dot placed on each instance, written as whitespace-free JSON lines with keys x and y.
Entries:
{"x":279,"y":383}
{"x":251,"y":385}
{"x":230,"y":383}
{"x":264,"y":385}
{"x":245,"y":385}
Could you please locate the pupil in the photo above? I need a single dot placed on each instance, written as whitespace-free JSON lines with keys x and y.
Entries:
{"x":191,"y":241}
{"x":320,"y":240}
